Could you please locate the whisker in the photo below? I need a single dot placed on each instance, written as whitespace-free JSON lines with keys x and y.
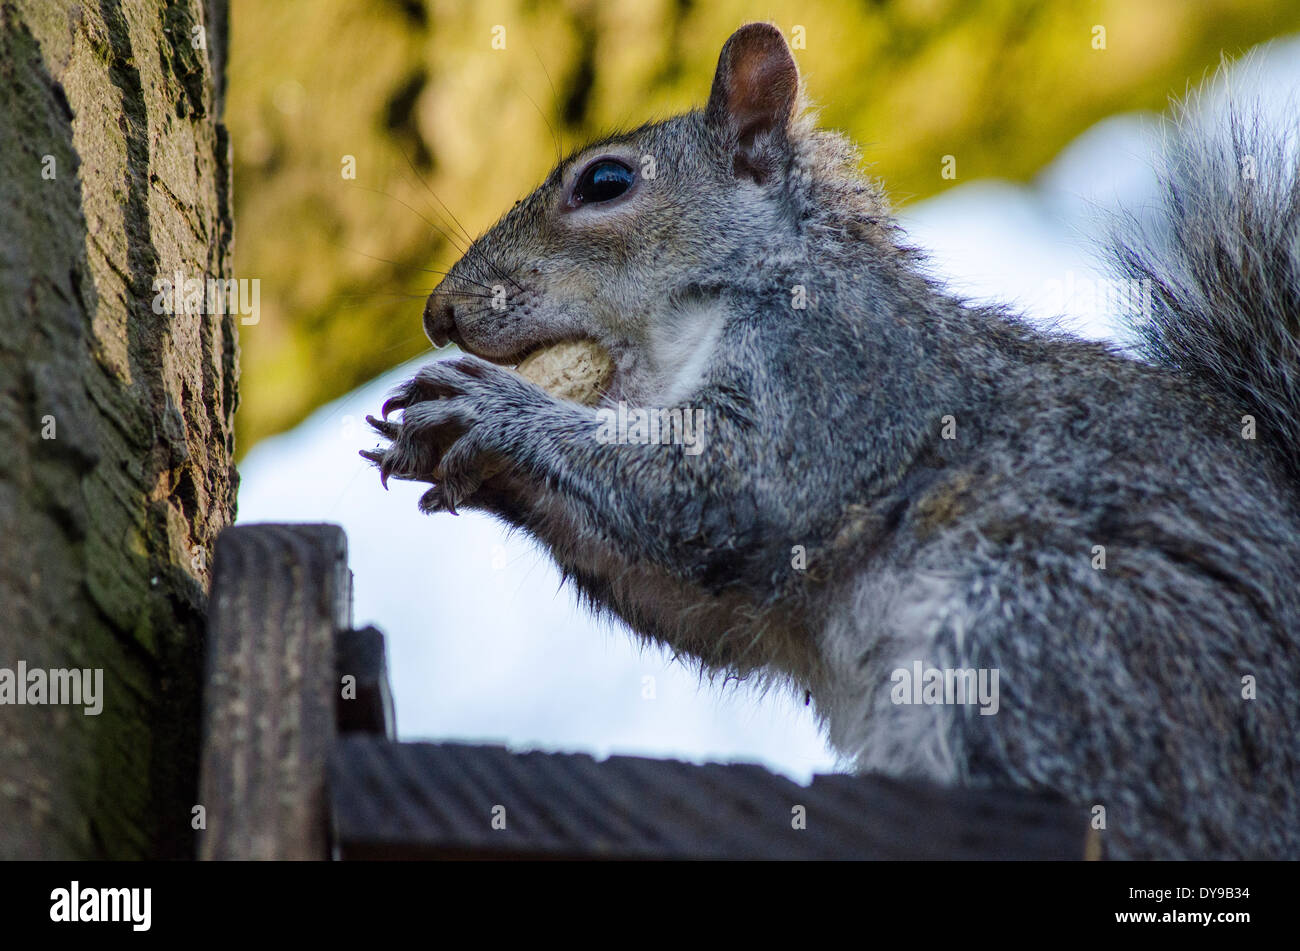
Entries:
{"x":427,"y":187}
{"x":555,"y":100}
{"x":413,"y":211}
{"x":399,"y":264}
{"x":473,"y":246}
{"x":469,"y":237}
{"x":554,"y":139}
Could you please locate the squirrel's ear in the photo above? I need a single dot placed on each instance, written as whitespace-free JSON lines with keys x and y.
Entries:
{"x":755,"y":92}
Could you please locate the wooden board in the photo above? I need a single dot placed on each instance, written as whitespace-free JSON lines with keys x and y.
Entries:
{"x":280,"y":595}
{"x":438,"y":801}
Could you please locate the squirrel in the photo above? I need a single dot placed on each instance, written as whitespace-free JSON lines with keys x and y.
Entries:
{"x":892,"y":480}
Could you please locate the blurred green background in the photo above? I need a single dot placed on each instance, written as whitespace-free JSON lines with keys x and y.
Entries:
{"x":414,"y":91}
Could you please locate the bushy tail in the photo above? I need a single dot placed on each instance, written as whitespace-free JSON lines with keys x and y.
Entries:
{"x":1223,"y":262}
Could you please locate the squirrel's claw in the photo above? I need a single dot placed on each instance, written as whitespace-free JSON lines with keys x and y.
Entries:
{"x":397,"y":401}
{"x":383,"y":426}
{"x":378,"y":457}
{"x":451,"y":429}
{"x":438,"y":380}
{"x":435,"y":500}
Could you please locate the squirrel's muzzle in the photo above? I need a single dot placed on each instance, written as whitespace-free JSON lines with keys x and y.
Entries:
{"x":439,"y":319}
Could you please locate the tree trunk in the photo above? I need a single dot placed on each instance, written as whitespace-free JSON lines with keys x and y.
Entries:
{"x":116,"y":419}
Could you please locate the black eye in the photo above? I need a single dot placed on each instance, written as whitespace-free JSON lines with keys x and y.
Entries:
{"x":602,"y":181}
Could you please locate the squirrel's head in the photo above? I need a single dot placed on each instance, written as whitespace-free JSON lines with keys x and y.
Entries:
{"x":623,"y":229}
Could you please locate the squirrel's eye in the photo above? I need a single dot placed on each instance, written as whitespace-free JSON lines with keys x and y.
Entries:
{"x":602,"y":181}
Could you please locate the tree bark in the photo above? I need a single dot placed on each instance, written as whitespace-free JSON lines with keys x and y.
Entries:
{"x":116,"y":421}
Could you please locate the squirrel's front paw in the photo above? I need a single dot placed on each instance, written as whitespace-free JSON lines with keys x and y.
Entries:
{"x":454,"y":430}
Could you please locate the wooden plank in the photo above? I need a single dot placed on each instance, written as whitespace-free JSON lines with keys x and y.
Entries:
{"x":365,"y":703}
{"x":437,"y":801}
{"x":280,"y":595}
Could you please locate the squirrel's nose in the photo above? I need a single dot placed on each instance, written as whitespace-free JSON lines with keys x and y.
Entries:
{"x":439,"y":319}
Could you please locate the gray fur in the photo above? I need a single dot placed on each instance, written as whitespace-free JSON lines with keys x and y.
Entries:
{"x":1121,"y":686}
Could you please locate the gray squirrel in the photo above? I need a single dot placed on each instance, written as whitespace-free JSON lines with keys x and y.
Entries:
{"x":891,"y":479}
